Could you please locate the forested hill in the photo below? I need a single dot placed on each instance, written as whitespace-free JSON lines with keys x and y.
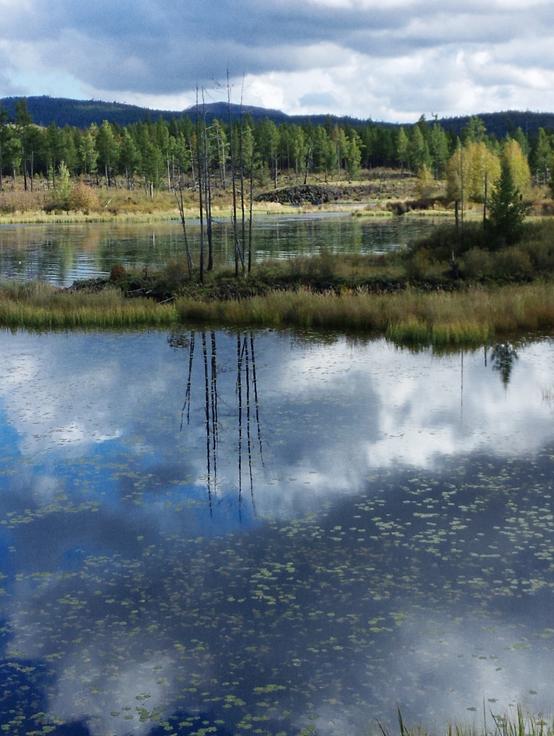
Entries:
{"x":82,"y":113}
{"x":500,"y":124}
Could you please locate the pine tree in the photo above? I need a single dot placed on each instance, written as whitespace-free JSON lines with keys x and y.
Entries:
{"x":475,"y":131}
{"x":107,"y":147}
{"x":507,"y":210}
{"x":402,"y":147}
{"x":542,"y":155}
{"x":88,"y":155}
{"x":439,"y":149}
{"x":129,"y":157}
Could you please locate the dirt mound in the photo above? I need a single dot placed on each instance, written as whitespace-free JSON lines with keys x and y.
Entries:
{"x":299,"y":195}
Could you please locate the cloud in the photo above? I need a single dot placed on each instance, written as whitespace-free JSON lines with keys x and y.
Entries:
{"x":386,"y":60}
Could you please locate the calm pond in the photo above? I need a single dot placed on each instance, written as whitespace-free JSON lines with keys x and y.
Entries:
{"x":248,"y":533}
{"x":62,"y":253}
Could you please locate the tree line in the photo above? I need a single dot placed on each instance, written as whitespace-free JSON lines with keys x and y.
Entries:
{"x":158,"y":154}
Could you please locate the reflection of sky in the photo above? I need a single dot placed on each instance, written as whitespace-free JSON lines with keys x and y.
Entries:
{"x":402,"y":541}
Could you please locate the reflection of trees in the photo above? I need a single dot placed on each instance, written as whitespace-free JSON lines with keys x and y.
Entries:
{"x":249,"y":443}
{"x":503,"y":357}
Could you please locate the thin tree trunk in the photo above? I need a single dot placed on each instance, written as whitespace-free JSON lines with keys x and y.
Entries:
{"x":200,"y":196}
{"x":250,"y":216}
{"x":485,"y":199}
{"x":233,"y":180}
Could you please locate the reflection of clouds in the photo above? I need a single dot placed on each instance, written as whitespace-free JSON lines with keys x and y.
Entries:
{"x":112,"y":709}
{"x":169,"y":608}
{"x":330,"y":412}
{"x":448,"y":669}
{"x":460,"y":663}
{"x":426,"y":407}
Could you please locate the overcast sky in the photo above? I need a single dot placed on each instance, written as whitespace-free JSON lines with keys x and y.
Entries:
{"x":384,"y":59}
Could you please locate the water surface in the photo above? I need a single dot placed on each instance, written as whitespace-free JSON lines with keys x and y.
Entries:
{"x":238,"y":533}
{"x":62,"y":253}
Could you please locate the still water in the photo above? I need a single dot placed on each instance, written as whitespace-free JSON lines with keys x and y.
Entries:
{"x":238,"y":533}
{"x":62,"y":253}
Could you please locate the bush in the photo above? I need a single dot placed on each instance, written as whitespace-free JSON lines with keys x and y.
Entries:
{"x":83,"y":198}
{"x":175,"y":274}
{"x":419,"y":264}
{"x":513,"y":263}
{"x":476,"y":263}
{"x":118,"y":273}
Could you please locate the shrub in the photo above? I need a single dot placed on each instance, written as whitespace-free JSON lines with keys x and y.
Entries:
{"x":83,"y":198}
{"x":118,"y":273}
{"x":175,"y":274}
{"x":513,"y":263}
{"x":476,"y":263}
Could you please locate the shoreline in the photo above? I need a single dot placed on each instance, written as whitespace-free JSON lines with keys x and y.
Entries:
{"x":470,"y":317}
{"x":42,"y":217}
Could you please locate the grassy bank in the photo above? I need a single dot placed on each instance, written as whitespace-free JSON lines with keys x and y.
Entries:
{"x":39,"y":306}
{"x":460,"y":318}
{"x":468,"y":317}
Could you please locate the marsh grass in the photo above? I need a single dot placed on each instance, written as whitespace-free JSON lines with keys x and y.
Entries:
{"x":517,"y":723}
{"x":40,"y":306}
{"x":468,"y":317}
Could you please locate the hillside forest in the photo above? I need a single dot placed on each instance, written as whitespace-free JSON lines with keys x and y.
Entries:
{"x":163,"y":154}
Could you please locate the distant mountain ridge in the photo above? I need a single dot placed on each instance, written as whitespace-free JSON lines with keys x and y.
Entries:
{"x":45,"y":110}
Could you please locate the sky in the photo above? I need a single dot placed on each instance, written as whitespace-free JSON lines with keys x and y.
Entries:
{"x":382,"y":59}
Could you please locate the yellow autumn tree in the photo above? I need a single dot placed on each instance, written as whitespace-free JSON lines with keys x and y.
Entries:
{"x":472,"y":169}
{"x":457,"y":174}
{"x":484,"y":169}
{"x":425,"y":182}
{"x":517,"y":162}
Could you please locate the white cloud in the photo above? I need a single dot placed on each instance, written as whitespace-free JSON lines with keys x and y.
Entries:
{"x":374,"y":58}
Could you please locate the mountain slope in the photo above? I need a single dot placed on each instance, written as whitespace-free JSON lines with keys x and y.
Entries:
{"x":81,"y":113}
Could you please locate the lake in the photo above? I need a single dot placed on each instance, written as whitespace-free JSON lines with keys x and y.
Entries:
{"x":237,"y":533}
{"x":61,"y":254}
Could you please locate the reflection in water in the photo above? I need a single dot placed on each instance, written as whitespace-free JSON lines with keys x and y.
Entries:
{"x":246,"y":391}
{"x":503,"y":357}
{"x":395,"y":555}
{"x":62,"y":253}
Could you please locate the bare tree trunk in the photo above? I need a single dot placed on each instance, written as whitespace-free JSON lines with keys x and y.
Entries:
{"x":238,"y":256}
{"x":242,"y":204}
{"x":200,"y":197}
{"x":485,"y":199}
{"x":181,"y":207}
{"x":207,"y":186}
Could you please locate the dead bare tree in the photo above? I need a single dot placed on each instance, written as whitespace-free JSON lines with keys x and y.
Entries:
{"x":179,"y":198}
